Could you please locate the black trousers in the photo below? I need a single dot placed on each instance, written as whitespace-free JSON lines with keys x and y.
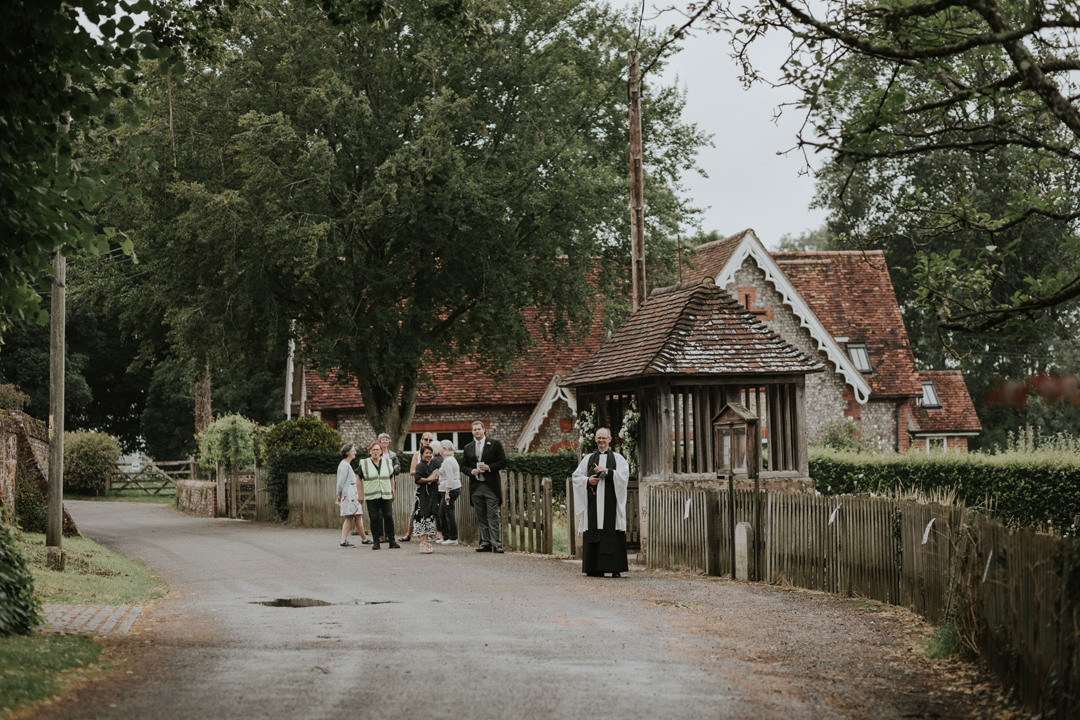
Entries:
{"x":381,"y":519}
{"x":447,"y":516}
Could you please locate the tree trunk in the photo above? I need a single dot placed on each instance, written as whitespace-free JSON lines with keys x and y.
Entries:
{"x":389,"y":410}
{"x":202,"y":401}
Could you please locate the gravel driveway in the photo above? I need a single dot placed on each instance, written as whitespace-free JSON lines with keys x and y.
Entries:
{"x":475,"y":636}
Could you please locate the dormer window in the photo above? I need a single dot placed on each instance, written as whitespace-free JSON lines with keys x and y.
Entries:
{"x":859,"y":356}
{"x":929,"y":396}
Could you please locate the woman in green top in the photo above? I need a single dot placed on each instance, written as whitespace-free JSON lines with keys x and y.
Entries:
{"x":377,"y":474}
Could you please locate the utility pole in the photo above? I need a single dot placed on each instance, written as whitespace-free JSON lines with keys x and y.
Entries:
{"x":637,"y":190}
{"x":54,"y":520}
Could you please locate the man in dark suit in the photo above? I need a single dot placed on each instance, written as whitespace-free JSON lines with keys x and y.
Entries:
{"x":483,"y":460}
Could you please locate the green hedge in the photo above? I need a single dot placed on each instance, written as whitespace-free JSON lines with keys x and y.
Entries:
{"x":18,"y":608}
{"x":1025,"y":488}
{"x":557,"y":466}
{"x":89,"y":462}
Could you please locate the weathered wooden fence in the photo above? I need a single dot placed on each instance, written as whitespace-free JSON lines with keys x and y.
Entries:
{"x":153,"y":478}
{"x":241,"y":493}
{"x":1015,"y":595}
{"x":526,"y":512}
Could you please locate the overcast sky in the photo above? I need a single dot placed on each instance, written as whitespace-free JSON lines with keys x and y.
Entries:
{"x":749,"y":185}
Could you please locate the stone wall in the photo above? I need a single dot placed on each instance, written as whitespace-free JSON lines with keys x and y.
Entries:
{"x":197,"y":497}
{"x":31,"y":446}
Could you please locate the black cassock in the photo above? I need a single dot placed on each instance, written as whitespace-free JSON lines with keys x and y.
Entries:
{"x":604,"y":551}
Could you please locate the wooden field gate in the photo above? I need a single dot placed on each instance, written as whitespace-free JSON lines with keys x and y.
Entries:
{"x":153,"y":478}
{"x":242,"y":493}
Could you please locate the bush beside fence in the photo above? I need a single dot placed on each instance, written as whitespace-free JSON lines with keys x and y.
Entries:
{"x":1035,"y":489}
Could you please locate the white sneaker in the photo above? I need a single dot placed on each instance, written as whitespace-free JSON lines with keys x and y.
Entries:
{"x":438,"y":541}
{"x":449,"y":542}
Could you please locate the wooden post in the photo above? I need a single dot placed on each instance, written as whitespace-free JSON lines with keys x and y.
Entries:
{"x":54,"y":526}
{"x":220,"y":479}
{"x":549,"y":520}
{"x":637,"y":191}
{"x":571,"y":538}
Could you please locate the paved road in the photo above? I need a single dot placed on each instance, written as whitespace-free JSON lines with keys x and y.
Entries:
{"x":458,"y":635}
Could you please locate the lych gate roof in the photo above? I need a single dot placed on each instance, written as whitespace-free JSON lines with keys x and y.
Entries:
{"x":692,"y":328}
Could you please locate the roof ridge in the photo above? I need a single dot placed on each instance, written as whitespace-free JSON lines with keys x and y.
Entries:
{"x":721,"y":241}
{"x":827,"y":252}
{"x":704,"y":280}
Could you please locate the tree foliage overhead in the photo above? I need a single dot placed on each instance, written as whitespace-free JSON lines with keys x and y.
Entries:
{"x":889,"y":85}
{"x":57,"y":81}
{"x":404,"y":190}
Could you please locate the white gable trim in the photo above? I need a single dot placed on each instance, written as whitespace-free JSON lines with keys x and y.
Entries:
{"x":751,"y":247}
{"x":552,"y":394}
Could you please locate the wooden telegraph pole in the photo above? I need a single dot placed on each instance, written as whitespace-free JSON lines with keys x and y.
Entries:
{"x":54,"y":520}
{"x":637,"y":190}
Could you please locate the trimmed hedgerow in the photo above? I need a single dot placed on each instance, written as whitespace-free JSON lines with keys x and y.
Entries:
{"x":1036,"y":488}
{"x":302,"y":433}
{"x":18,"y":608}
{"x":89,"y":462}
{"x":557,"y":466}
{"x":303,"y":444}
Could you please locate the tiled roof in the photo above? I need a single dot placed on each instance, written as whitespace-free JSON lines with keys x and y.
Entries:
{"x":692,"y":328}
{"x":853,"y":297}
{"x":957,"y":412}
{"x":467,"y":385}
{"x":713,"y":256}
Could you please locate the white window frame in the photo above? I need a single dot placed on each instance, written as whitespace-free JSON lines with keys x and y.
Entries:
{"x":860,"y":357}
{"x":929,"y":391}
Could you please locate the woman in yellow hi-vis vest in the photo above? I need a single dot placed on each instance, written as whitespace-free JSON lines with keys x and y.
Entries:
{"x":377,"y":473}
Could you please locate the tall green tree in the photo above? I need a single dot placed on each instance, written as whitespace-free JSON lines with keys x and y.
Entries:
{"x":396,"y":193}
{"x":889,"y":84}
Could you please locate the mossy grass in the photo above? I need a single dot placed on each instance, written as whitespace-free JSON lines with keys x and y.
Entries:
{"x":95,"y":575}
{"x":35,"y":667}
{"x":943,"y":643}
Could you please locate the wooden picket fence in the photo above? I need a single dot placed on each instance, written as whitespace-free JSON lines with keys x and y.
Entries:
{"x":527,"y":517}
{"x":1014,"y":594}
{"x":153,"y":478}
{"x":242,"y":493}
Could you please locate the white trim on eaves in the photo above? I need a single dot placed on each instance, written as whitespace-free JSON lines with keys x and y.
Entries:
{"x":547,"y":401}
{"x":751,"y":247}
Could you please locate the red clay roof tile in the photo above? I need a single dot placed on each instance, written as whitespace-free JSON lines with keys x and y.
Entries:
{"x":957,"y":412}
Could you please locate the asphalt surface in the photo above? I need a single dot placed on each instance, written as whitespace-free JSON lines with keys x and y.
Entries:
{"x":456,"y":634}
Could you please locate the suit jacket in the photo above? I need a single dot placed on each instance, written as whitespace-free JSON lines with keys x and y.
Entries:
{"x":495,"y":458}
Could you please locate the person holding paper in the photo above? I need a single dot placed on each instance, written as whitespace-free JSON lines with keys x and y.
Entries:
{"x":600,"y":482}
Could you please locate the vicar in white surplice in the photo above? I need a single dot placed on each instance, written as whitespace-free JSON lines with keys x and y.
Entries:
{"x":600,"y":482}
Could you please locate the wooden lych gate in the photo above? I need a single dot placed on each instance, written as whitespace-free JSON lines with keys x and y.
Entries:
{"x":686,"y":355}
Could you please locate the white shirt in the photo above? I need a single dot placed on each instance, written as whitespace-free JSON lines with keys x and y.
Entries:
{"x":449,"y":474}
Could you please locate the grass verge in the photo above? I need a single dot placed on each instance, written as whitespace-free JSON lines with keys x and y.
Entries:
{"x":95,"y":575}
{"x":35,"y":667}
{"x":129,"y":495}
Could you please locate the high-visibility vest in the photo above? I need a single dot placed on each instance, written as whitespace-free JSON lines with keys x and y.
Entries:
{"x":378,"y":482}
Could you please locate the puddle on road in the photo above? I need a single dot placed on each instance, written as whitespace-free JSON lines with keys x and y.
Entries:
{"x":293,"y":603}
{"x":310,"y":602}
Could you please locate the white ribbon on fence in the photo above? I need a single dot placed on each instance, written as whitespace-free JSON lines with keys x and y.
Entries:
{"x":926,"y":532}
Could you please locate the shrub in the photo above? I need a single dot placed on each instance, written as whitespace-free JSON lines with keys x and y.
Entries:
{"x":18,"y":608}
{"x":31,"y":511}
{"x":230,"y":438}
{"x":1028,"y":488}
{"x":305,"y":444}
{"x":843,"y":434}
{"x":12,"y":398}
{"x":89,"y":462}
{"x":302,"y":433}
